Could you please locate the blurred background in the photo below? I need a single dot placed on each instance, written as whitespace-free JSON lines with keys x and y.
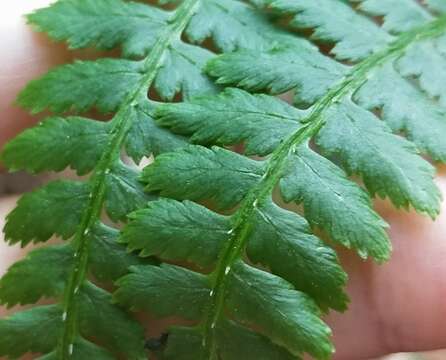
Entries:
{"x":435,"y":355}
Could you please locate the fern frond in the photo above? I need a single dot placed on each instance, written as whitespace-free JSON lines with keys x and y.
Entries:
{"x":350,"y":122}
{"x":84,"y":323}
{"x":252,"y":277}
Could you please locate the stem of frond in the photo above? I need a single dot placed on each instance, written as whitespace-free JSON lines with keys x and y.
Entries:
{"x":311,"y":125}
{"x":121,"y":124}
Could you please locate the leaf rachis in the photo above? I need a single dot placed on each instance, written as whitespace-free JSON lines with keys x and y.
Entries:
{"x":313,"y":123}
{"x":121,"y":126}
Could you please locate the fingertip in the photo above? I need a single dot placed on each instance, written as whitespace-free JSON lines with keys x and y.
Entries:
{"x":25,"y":55}
{"x":397,"y":306}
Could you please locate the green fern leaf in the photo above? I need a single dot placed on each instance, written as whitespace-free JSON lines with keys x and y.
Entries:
{"x":54,"y":209}
{"x":79,"y":141}
{"x":254,"y":297}
{"x":399,"y":15}
{"x":83,"y":350}
{"x":389,"y":164}
{"x":56,"y":260}
{"x":436,"y":5}
{"x":108,"y":259}
{"x":251,"y":278}
{"x":334,"y":203}
{"x":145,"y":137}
{"x":355,"y":36}
{"x":234,"y":341}
{"x":124,"y":193}
{"x":176,"y":231}
{"x":147,"y":287}
{"x":18,"y":337}
{"x":64,"y":88}
{"x":423,"y":61}
{"x":202,"y":173}
{"x":104,"y":24}
{"x":156,"y":59}
{"x":404,"y":110}
{"x":278,"y":70}
{"x":309,"y":151}
{"x":282,"y":241}
{"x":237,"y":117}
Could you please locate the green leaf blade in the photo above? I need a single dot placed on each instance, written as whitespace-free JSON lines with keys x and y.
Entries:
{"x":109,"y":260}
{"x":203,"y":174}
{"x":288,"y":317}
{"x":124,"y":193}
{"x":42,"y":273}
{"x":355,"y":36}
{"x":57,"y":143}
{"x":54,"y":209}
{"x":63,"y":89}
{"x":406,"y":110}
{"x":146,"y":138}
{"x":109,"y":324}
{"x":278,"y":71}
{"x":399,"y":15}
{"x":335,"y":204}
{"x":177,"y":231}
{"x":232,"y":117}
{"x":389,"y":165}
{"x":148,"y":287}
{"x":102,"y":23}
{"x":18,"y":335}
{"x":182,"y":73}
{"x":283,"y":241}
{"x":83,"y":349}
{"x":238,"y":342}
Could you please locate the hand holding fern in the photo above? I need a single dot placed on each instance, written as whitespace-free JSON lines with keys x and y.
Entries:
{"x":395,"y":307}
{"x":368,"y":281}
{"x":26,"y":55}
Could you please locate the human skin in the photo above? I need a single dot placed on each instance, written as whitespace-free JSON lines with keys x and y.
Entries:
{"x":398,"y":306}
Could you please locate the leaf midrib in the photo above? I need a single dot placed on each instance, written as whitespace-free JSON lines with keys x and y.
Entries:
{"x":121,"y":125}
{"x":313,"y":122}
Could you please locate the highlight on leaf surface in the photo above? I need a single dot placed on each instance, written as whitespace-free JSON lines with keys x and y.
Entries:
{"x":216,"y":245}
{"x":161,"y":52}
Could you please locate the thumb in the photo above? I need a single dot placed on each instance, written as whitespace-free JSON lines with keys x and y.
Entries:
{"x":25,"y":55}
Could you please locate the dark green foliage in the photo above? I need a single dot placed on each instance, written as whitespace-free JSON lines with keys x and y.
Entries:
{"x":310,"y":152}
{"x":18,"y":335}
{"x":279,"y":70}
{"x":237,"y":117}
{"x":102,"y":23}
{"x":334,"y":203}
{"x":177,"y":231}
{"x":145,"y":137}
{"x":164,"y":290}
{"x":155,"y":57}
{"x":124,"y":193}
{"x":64,"y":88}
{"x":251,"y":278}
{"x":54,"y":209}
{"x":79,"y":143}
{"x":203,"y":173}
{"x":282,"y":241}
{"x":283,"y":314}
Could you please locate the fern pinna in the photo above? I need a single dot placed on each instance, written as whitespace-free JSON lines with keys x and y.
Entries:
{"x":251,"y":276}
{"x":265,"y":274}
{"x":84,"y":324}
